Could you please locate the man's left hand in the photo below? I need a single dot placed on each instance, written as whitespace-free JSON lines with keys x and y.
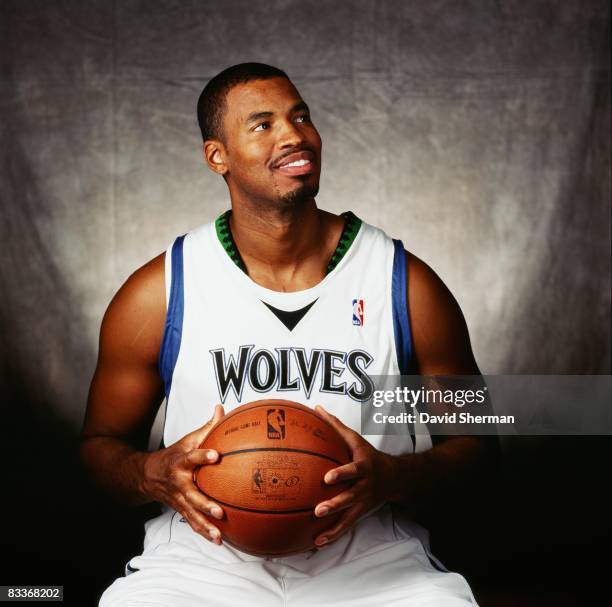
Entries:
{"x":373,"y":474}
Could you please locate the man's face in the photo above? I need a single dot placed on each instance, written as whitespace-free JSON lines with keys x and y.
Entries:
{"x":273,"y":150}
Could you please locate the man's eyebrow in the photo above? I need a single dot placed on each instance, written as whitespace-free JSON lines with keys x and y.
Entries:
{"x":254,"y":116}
{"x":301,"y":105}
{"x":258,"y":115}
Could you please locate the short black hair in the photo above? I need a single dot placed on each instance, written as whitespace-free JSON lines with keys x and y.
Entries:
{"x":211,"y":103}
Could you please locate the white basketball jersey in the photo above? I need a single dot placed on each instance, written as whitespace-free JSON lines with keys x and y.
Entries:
{"x":229,"y":340}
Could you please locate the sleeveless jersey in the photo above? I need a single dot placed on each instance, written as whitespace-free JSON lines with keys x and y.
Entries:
{"x":230,"y":340}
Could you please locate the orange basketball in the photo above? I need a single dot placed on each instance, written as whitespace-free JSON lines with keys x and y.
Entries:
{"x":273,"y":455}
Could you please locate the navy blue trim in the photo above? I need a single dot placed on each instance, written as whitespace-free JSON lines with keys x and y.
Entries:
{"x":173,"y":330}
{"x":401,"y":322}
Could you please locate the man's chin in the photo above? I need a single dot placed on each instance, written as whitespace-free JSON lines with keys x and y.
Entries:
{"x":299,"y":195}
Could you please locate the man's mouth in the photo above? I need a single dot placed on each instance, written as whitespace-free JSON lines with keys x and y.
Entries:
{"x":298,"y":163}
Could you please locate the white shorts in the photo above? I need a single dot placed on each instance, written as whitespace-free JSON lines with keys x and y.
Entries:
{"x":384,"y":560}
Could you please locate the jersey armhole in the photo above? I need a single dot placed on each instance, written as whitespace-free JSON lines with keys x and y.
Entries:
{"x":173,"y":328}
{"x":401,"y":321}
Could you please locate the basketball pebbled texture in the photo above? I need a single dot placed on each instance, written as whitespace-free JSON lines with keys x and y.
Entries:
{"x":273,"y":455}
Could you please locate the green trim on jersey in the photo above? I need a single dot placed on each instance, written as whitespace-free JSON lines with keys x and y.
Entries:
{"x":224,"y":234}
{"x":352,"y":223}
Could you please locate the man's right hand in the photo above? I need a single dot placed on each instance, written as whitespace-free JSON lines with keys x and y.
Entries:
{"x":168,"y":478}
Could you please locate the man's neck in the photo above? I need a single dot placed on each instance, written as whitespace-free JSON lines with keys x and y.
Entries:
{"x":285,"y":249}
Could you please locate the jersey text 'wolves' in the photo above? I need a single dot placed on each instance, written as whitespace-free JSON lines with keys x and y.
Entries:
{"x":292,"y":369}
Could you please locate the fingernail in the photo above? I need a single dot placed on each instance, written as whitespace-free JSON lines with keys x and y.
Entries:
{"x":322,"y":540}
{"x":323,"y":511}
{"x":215,"y":534}
{"x":217,"y":512}
{"x":330,"y":477}
{"x":211,"y":456}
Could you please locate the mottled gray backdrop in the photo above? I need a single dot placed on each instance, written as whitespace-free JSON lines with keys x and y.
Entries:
{"x":478,"y":132}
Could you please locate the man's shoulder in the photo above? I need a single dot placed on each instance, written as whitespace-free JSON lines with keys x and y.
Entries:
{"x":427,"y":292}
{"x":421,"y":272}
{"x":137,"y":311}
{"x":147,"y":282}
{"x":439,"y":330}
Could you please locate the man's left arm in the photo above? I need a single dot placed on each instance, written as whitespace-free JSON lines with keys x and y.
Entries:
{"x":423,"y":482}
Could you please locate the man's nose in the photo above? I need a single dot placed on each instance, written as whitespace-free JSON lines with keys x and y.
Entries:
{"x":291,"y":135}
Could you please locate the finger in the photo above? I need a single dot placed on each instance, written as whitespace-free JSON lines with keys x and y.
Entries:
{"x":347,"y":520}
{"x":218,"y":414}
{"x":201,"y":525}
{"x":340,"y":502}
{"x":200,"y":502}
{"x":348,"y":472}
{"x":352,"y":438}
{"x":201,"y":457}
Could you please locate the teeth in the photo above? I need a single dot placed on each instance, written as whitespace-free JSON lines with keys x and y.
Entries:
{"x":297,"y":163}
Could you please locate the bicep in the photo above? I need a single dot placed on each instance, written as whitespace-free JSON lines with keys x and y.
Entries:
{"x":123,"y":401}
{"x":440,"y":336}
{"x":126,"y":390}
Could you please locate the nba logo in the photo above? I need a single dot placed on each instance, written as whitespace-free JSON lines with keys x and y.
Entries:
{"x":358,"y":312}
{"x":276,"y":423}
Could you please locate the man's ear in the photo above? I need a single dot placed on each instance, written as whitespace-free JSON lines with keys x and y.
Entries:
{"x":214,"y":154}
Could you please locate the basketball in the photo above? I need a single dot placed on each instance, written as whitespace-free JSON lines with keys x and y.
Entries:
{"x":273,"y":455}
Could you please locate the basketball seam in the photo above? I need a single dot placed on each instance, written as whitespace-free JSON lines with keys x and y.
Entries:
{"x":286,"y":449}
{"x":309,"y":509}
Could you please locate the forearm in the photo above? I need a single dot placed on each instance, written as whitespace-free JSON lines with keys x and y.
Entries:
{"x":426,"y":483}
{"x":117,"y":467}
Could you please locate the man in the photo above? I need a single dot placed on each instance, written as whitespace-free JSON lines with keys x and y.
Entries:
{"x":275,"y":299}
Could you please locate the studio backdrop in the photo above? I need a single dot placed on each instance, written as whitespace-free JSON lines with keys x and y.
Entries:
{"x":477,"y":132}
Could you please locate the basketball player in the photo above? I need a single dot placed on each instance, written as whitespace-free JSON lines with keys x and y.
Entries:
{"x":276,"y":299}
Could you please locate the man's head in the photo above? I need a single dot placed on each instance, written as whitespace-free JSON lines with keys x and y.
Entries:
{"x":257,"y":133}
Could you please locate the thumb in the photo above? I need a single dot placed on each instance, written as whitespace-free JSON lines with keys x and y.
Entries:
{"x":194,"y":439}
{"x":352,"y":438}
{"x":217,"y":415}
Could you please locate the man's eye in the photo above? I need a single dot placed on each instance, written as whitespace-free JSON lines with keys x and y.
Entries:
{"x":262,"y":127}
{"x":303,"y":118}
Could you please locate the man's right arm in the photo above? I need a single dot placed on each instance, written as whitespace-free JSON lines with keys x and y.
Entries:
{"x":126,"y":390}
{"x":124,"y":397}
